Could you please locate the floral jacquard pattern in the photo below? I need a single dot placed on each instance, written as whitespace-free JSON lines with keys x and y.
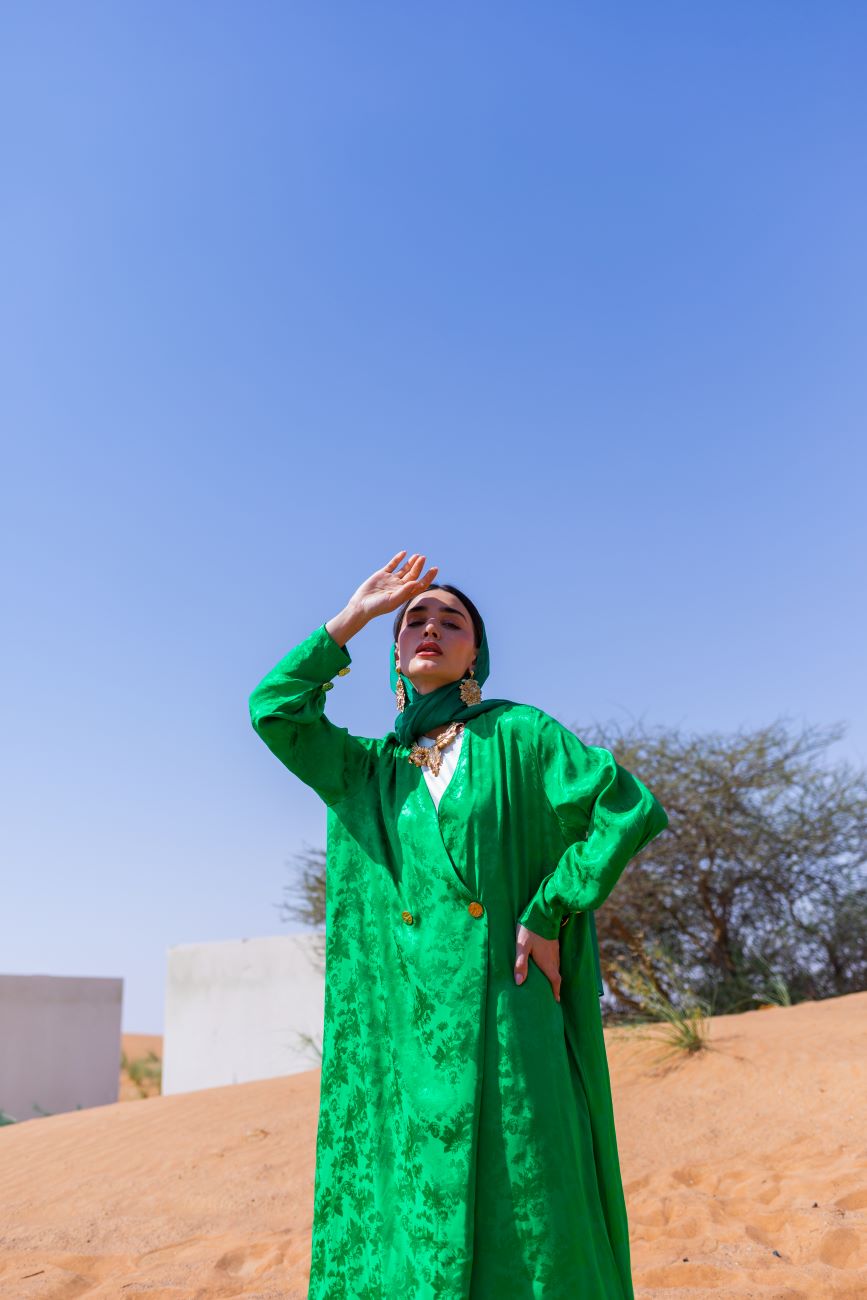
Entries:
{"x":466,"y":1145}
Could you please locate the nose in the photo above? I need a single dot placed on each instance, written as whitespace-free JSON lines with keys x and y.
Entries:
{"x":430,"y":626}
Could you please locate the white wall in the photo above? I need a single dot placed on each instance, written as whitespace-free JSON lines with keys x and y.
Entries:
{"x":60,"y":1043}
{"x":239,"y":1010}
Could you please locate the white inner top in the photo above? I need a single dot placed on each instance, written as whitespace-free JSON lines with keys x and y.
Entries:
{"x":449,"y":755}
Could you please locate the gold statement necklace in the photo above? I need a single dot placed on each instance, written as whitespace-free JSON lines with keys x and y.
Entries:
{"x":431,"y":756}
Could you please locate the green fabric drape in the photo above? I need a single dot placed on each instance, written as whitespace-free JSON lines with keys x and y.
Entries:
{"x":466,"y":1145}
{"x":445,"y":705}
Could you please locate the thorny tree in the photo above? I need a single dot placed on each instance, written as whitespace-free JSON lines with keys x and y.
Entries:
{"x":761,"y":871}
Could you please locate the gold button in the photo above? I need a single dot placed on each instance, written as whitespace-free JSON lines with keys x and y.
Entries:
{"x":407,"y":916}
{"x":327,"y":686}
{"x":341,"y":672}
{"x":475,"y":909}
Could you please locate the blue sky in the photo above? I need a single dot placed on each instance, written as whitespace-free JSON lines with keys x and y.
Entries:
{"x":571,"y":298}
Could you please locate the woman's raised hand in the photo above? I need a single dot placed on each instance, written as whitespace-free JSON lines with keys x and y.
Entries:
{"x":391,"y":585}
{"x":382,"y":592}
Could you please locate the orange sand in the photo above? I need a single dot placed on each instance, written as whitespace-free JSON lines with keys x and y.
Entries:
{"x":755,"y":1146}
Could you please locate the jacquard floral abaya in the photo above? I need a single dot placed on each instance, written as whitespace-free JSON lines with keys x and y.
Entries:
{"x":466,"y":1147}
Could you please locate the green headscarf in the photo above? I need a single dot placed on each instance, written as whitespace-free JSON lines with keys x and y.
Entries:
{"x":442,"y":705}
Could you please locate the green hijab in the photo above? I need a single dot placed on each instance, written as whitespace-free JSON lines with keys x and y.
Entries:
{"x":442,"y":705}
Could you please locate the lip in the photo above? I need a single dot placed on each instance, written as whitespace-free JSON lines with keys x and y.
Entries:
{"x":428,"y":648}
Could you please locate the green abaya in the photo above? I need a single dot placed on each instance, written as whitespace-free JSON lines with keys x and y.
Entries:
{"x":466,"y":1146}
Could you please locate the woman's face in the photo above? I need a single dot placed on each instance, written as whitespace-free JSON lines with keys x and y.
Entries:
{"x":436,"y":643}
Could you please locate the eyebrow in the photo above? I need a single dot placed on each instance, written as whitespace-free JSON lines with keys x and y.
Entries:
{"x":446,"y":609}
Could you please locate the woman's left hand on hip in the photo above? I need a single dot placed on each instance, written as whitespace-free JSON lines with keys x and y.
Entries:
{"x":545,"y":953}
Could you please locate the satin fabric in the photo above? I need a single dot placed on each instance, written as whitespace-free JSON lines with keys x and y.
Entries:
{"x":445,"y":705}
{"x":466,"y":1145}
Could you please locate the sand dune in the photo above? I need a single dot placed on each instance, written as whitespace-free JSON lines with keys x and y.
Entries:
{"x":745,"y":1169}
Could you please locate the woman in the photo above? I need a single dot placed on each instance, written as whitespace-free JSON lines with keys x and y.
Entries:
{"x":466,"y":1145}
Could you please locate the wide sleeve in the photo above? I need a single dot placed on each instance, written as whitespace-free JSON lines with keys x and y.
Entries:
{"x":606,"y":815}
{"x":287,"y":710}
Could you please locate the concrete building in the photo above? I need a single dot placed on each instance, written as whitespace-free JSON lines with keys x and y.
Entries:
{"x":241,"y":1010}
{"x":60,"y":1043}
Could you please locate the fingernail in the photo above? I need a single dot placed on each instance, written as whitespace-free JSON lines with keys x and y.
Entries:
{"x":519,"y":979}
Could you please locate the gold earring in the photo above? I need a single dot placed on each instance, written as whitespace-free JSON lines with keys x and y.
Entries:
{"x":400,"y":692}
{"x":471,"y":691}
